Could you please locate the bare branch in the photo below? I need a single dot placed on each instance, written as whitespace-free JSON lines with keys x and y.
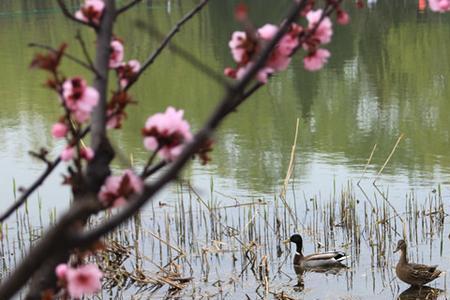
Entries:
{"x":154,"y":169}
{"x":98,"y":167}
{"x":38,"y":182}
{"x":167,"y":39}
{"x":86,"y":53}
{"x":66,"y":55}
{"x":70,"y":16}
{"x":188,"y":57}
{"x":23,"y":198}
{"x":127,"y":7}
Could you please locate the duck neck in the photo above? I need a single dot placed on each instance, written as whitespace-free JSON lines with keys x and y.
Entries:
{"x":403,"y":257}
{"x":298,"y":251}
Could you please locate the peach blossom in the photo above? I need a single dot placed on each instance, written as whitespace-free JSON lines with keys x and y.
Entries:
{"x":59,"y":130}
{"x":61,"y":271}
{"x":79,"y":98}
{"x":127,"y":71}
{"x":91,"y":11}
{"x":342,"y":17}
{"x":67,"y":154}
{"x":238,"y":45}
{"x":439,"y":5}
{"x":315,"y":60}
{"x":165,"y":132}
{"x":83,"y":280}
{"x":324,"y":31}
{"x":87,"y":153}
{"x":116,"y":55}
{"x":117,"y":189}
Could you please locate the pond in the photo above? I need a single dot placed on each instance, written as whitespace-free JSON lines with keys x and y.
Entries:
{"x":386,"y":82}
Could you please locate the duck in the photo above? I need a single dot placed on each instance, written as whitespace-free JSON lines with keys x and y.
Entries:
{"x":413,"y":274}
{"x":319,"y":261}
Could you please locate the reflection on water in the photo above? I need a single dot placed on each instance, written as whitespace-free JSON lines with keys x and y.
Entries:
{"x":419,"y":293}
{"x":388,"y":75}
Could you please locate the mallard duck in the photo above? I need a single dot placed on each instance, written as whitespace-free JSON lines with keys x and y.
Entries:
{"x":413,"y":274}
{"x":326,"y":260}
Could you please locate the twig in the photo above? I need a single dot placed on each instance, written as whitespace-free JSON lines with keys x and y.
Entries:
{"x":86,"y":53}
{"x":149,"y":162}
{"x":188,"y":57}
{"x":166,"y":40}
{"x":127,"y":7}
{"x":23,"y":198}
{"x":68,"y":56}
{"x":70,"y":16}
{"x":154,"y":169}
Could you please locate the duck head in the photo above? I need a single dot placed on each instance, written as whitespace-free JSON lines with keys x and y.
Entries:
{"x":401,"y":246}
{"x":297,"y":240}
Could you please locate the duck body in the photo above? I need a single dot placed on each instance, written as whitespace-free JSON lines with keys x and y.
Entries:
{"x":326,"y":260}
{"x":414,"y":274}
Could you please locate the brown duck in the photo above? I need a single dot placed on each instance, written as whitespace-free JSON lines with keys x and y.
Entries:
{"x":413,"y":274}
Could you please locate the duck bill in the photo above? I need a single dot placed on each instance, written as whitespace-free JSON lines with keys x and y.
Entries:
{"x":286,"y":241}
{"x":396,"y":250}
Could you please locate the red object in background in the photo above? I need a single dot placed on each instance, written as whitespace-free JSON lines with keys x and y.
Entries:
{"x":422,"y":5}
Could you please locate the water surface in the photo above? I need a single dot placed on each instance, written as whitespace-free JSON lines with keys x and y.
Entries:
{"x":388,"y":75}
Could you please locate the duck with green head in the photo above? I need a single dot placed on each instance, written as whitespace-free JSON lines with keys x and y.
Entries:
{"x":413,"y":274}
{"x":326,"y":260}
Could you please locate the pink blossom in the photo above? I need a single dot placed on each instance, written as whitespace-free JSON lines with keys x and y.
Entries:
{"x":59,"y":130}
{"x":267,"y":32}
{"x":67,"y":154}
{"x":230,"y":72}
{"x":128,"y":71}
{"x":83,"y":280}
{"x":244,"y":48}
{"x":114,"y":120}
{"x":61,"y":271}
{"x":117,"y":189}
{"x":439,"y":5}
{"x":166,"y":132}
{"x":116,"y":54}
{"x":342,"y":17}
{"x":91,"y":11}
{"x":240,"y":46}
{"x":324,"y":31}
{"x":79,"y":98}
{"x":87,"y":153}
{"x":315,"y":60}
{"x":279,"y":59}
{"x":290,"y":40}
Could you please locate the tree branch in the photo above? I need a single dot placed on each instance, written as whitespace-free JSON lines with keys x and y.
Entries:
{"x":70,"y":16}
{"x":98,"y":167}
{"x":66,"y":55}
{"x":86,"y":53}
{"x":23,"y":198}
{"x":188,"y":57}
{"x":166,"y":40}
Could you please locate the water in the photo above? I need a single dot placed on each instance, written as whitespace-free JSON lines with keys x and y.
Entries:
{"x":387,"y":76}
